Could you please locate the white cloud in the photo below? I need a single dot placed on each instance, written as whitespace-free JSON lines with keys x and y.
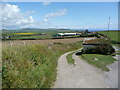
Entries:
{"x":59,"y":13}
{"x":30,"y":12}
{"x":54,"y":14}
{"x":45,"y":3}
{"x":13,"y":18}
{"x":45,"y":20}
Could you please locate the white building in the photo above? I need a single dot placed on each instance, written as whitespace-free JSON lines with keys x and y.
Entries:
{"x":68,"y":34}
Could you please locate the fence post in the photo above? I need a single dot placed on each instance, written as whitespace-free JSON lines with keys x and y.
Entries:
{"x":49,"y":45}
{"x":32,"y":42}
{"x":10,"y":43}
{"x":23,"y":42}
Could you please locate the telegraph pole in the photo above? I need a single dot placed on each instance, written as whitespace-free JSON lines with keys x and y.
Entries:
{"x":109,"y":23}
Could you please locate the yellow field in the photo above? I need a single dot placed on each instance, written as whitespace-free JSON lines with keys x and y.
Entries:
{"x":24,"y":33}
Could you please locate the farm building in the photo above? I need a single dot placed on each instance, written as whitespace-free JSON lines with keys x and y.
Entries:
{"x":89,"y":42}
{"x":68,"y":34}
{"x":97,"y":46}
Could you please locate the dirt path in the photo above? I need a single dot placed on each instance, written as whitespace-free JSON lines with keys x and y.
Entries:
{"x":82,"y":75}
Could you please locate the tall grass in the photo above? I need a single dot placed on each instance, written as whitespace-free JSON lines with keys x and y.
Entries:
{"x":32,"y":66}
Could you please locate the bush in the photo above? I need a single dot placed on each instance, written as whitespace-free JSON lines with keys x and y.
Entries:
{"x":104,"y":47}
{"x":115,"y":42}
{"x":101,"y":49}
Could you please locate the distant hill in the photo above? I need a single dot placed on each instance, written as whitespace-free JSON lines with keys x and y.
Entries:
{"x":43,"y":29}
{"x":29,"y":29}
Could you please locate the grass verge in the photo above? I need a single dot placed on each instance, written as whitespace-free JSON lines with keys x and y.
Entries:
{"x":117,"y":53}
{"x":101,"y":62}
{"x":69,"y":58}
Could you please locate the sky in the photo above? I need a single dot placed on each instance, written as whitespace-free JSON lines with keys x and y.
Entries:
{"x":72,"y":15}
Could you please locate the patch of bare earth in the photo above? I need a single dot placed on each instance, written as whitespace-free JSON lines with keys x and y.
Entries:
{"x":19,"y":42}
{"x":44,"y":42}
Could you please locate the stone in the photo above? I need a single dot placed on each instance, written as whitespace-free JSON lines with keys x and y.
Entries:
{"x":95,"y":59}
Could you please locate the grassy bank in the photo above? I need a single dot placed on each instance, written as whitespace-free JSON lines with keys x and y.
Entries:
{"x":32,"y":66}
{"x":101,"y":60}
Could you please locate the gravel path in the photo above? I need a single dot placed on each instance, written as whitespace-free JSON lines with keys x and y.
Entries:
{"x":82,"y":75}
{"x":112,"y":76}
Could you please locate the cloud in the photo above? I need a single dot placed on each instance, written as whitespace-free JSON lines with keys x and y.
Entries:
{"x":54,"y":14}
{"x":30,"y":12}
{"x":13,"y":18}
{"x":45,"y":3}
{"x":59,"y":13}
{"x":45,"y":20}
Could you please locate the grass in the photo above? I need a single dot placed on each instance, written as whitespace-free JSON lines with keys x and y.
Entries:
{"x":70,"y":60}
{"x":114,"y":35}
{"x":102,"y":61}
{"x":32,"y":66}
{"x":32,"y":34}
{"x":118,"y":53}
{"x":117,"y":45}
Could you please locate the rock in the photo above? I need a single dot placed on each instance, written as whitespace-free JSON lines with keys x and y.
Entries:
{"x":95,"y":59}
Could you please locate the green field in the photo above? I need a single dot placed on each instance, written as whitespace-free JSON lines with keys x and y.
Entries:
{"x":101,"y":62}
{"x":114,"y":35}
{"x":34,"y":34}
{"x":32,"y":66}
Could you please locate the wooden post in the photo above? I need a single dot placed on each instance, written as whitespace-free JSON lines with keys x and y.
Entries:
{"x":10,"y":43}
{"x":49,"y":45}
{"x":23,"y":42}
{"x":32,"y":42}
{"x":108,"y":25}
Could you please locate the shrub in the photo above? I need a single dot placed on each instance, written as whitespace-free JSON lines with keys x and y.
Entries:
{"x":115,"y":42}
{"x":104,"y":47}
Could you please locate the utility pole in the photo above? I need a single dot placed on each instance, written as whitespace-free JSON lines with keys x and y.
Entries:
{"x":109,"y":23}
{"x":108,"y":26}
